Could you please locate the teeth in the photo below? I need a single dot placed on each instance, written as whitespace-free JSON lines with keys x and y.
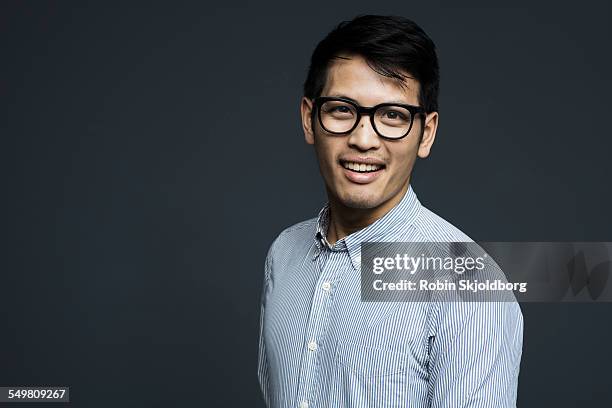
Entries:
{"x":360,"y":166}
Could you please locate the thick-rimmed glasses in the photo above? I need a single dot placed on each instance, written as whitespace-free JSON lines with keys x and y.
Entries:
{"x":341,"y":116}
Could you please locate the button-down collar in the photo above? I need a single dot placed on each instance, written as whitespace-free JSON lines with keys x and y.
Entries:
{"x":394,"y":221}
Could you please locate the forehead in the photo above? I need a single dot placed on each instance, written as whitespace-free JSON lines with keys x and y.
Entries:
{"x":351,"y":76}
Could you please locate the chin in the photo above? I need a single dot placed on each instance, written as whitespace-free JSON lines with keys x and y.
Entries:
{"x":360,"y":200}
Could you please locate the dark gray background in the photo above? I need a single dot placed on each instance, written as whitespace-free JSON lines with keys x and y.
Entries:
{"x":151,"y":154}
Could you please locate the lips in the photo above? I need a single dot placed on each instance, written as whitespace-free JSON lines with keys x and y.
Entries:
{"x":360,"y":167}
{"x":362,"y":170}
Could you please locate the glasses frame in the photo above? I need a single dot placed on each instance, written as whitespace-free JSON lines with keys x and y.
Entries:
{"x":363,"y":110}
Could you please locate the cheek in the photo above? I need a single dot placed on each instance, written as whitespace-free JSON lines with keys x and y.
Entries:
{"x":403,"y":160}
{"x":326,"y":153}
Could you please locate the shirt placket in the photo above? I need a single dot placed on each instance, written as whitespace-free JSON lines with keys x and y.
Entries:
{"x":328,"y":263}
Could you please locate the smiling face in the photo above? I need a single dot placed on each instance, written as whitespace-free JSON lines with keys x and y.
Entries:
{"x":361,"y":170}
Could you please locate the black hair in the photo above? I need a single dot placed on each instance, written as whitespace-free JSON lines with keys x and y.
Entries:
{"x":391,"y":46}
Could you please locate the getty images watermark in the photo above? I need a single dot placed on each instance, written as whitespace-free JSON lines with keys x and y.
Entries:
{"x":486,"y":271}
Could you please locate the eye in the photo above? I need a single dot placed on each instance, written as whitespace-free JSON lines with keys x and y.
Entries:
{"x":394,"y":115}
{"x":341,"y":109}
{"x":338,"y":110}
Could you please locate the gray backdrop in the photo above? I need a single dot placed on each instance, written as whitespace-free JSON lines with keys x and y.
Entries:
{"x":151,"y":154}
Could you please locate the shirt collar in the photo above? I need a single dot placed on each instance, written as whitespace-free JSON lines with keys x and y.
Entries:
{"x":396,"y":220}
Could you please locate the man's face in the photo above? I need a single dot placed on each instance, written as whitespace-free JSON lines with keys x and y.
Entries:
{"x":353,"y":78}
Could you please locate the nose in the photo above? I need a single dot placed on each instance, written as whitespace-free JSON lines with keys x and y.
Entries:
{"x":364,"y":137}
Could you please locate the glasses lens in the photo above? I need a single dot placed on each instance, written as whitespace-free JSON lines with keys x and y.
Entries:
{"x":338,"y":116}
{"x":392,"y":121}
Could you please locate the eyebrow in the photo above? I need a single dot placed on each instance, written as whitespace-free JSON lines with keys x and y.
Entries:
{"x":353,"y":100}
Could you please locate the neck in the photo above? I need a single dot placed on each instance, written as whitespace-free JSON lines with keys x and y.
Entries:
{"x":345,"y":220}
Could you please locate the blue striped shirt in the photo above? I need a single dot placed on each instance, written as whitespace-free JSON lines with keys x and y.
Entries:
{"x":321,"y":346}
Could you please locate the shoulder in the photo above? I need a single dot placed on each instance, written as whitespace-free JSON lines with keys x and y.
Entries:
{"x":296,"y":238}
{"x":296,"y":233}
{"x":432,"y":227}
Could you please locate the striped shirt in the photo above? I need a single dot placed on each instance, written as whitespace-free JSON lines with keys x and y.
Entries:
{"x":321,"y":346}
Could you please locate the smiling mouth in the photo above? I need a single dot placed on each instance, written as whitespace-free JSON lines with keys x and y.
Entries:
{"x":361,"y":167}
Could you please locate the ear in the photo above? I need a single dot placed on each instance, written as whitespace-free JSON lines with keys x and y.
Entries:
{"x":429,"y":134}
{"x":306,"y":111}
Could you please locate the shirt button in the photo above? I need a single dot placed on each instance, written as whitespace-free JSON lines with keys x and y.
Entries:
{"x":312,"y":346}
{"x":304,"y":404}
{"x":326,"y":286}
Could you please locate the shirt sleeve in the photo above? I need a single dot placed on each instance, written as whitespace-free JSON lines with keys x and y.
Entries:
{"x":262,"y":361}
{"x":475,"y":355}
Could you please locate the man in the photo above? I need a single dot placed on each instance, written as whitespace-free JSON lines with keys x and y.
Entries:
{"x":369,"y":109}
